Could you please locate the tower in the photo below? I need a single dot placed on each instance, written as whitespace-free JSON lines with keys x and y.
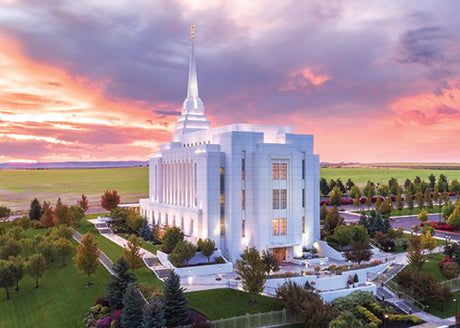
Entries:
{"x":192,"y":117}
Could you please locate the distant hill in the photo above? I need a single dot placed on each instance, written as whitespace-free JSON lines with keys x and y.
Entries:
{"x":72,"y":165}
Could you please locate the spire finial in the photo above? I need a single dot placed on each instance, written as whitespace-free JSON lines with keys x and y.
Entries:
{"x":193,"y":31}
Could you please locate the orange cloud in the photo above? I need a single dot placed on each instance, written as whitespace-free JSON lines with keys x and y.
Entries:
{"x":46,"y":105}
{"x":303,"y":79}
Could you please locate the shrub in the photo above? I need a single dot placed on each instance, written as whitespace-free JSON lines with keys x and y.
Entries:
{"x":450,"y":269}
{"x":374,"y":322}
{"x":401,"y":244}
{"x":444,"y":260}
{"x":36,"y":224}
{"x":104,"y":323}
{"x":405,"y":318}
{"x":289,"y":274}
{"x":220,"y":260}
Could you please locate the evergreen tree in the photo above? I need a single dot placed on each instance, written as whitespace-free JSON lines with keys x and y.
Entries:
{"x":133,"y":302}
{"x":335,"y":199}
{"x":378,"y":225}
{"x":174,"y":302}
{"x":457,"y":255}
{"x":118,"y":283}
{"x":324,"y":187}
{"x":145,"y":231}
{"x":454,"y":218}
{"x":35,"y":211}
{"x":422,"y":216}
{"x":386,"y":223}
{"x":363,"y":221}
{"x":409,"y":201}
{"x":153,"y":315}
{"x":399,"y":202}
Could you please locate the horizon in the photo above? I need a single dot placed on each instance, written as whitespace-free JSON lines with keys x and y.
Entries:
{"x":372,"y":82}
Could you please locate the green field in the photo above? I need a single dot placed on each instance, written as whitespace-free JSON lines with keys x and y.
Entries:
{"x":382,"y":175}
{"x":19,"y":187}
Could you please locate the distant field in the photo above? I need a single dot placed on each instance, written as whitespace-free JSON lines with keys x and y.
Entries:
{"x":19,"y":187}
{"x":362,"y":175}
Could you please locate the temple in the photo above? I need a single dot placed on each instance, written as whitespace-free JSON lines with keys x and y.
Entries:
{"x":241,"y":185}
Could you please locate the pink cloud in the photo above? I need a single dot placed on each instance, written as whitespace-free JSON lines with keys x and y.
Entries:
{"x":303,"y":79}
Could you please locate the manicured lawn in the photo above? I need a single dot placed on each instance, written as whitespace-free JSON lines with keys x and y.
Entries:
{"x":19,"y":187}
{"x":382,"y":175}
{"x":226,"y":303}
{"x":405,"y":211}
{"x":432,"y":266}
{"x":114,"y":251}
{"x":61,"y":300}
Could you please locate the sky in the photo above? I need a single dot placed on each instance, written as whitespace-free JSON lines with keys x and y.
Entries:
{"x":89,"y":80}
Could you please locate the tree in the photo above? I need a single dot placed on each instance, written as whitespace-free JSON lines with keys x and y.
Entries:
{"x":332,"y":184}
{"x":134,"y":221}
{"x":422,"y":216}
{"x":118,"y":283}
{"x":270,"y":261}
{"x":27,"y":247}
{"x":333,"y":219}
{"x":35,"y":267}
{"x":432,"y":179}
{"x":409,"y":201}
{"x":359,"y":233}
{"x":323,"y":212}
{"x":87,"y":257}
{"x":153,"y":316}
{"x":11,"y":247}
{"x":385,"y":207}
{"x":78,"y":213}
{"x":17,"y":269}
{"x":184,"y":251}
{"x":343,"y":235}
{"x":83,"y":203}
{"x":35,"y":211}
{"x":5,"y":213}
{"x":324,"y":187}
{"x":251,"y":269}
{"x":63,"y":215}
{"x":62,"y":231}
{"x":455,"y":186}
{"x":6,"y":277}
{"x":419,"y":199}
{"x":454,"y":218}
{"x":378,"y":202}
{"x":349,"y":184}
{"x":357,"y":202}
{"x":63,"y":249}
{"x":308,"y":304}
{"x":340,"y":185}
{"x":428,"y":242}
{"x":363,"y":221}
{"x":369,"y":189}
{"x":110,"y":199}
{"x":174,"y":302}
{"x":415,"y":255}
{"x":335,"y":199}
{"x":46,"y":248}
{"x":132,"y":252}
{"x":206,"y":247}
{"x":171,"y":237}
{"x":358,"y":252}
{"x":24,"y":222}
{"x":394,"y":186}
{"x":47,"y":218}
{"x":133,"y":302}
{"x":447,"y":210}
{"x":354,"y":191}
{"x":384,"y":190}
{"x":378,"y":225}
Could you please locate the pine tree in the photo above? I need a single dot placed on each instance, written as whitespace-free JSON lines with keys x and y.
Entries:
{"x":133,"y":302}
{"x":118,"y":283}
{"x":174,"y":302}
{"x":153,"y":315}
{"x":363,"y":221}
{"x":35,"y":210}
{"x":145,"y":231}
{"x":409,"y":201}
{"x":457,"y":255}
{"x":378,"y":224}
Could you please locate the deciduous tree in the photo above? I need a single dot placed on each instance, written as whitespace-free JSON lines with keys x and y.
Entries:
{"x":270,"y":261}
{"x":63,"y":215}
{"x":78,"y":213}
{"x":415,"y":255}
{"x":428,"y":242}
{"x":6,"y":277}
{"x":422,"y":216}
{"x":251,"y":269}
{"x":184,"y":251}
{"x":171,"y":237}
{"x":206,"y":247}
{"x":47,"y":218}
{"x":83,"y":203}
{"x":5,"y":213}
{"x":35,"y":267}
{"x":110,"y":199}
{"x":87,"y":257}
{"x":454,"y":218}
{"x":355,"y":191}
{"x":17,"y":269}
{"x":358,"y":252}
{"x":409,"y":201}
{"x":63,"y":249}
{"x":333,"y":219}
{"x":132,"y":252}
{"x":335,"y":199}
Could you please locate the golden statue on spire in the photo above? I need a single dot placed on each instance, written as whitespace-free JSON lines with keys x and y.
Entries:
{"x":193,"y":31}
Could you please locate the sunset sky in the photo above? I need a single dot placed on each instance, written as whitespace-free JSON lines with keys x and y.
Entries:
{"x":373,"y":81}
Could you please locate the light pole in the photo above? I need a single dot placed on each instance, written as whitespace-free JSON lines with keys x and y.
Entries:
{"x":385,"y":320}
{"x":447,"y":240}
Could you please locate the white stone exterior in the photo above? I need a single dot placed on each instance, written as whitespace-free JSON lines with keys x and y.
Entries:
{"x":241,"y":185}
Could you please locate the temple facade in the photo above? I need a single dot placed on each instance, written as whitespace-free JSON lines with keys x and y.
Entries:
{"x":241,"y":185}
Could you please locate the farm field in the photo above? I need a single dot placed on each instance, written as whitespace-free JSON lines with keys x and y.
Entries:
{"x":19,"y":187}
{"x":381,"y":175}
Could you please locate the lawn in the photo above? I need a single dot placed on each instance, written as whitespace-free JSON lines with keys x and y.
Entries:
{"x":225,"y":303}
{"x":61,"y":300}
{"x":431,"y":265}
{"x":114,"y":251}
{"x":19,"y":187}
{"x":405,"y":211}
{"x":382,"y":175}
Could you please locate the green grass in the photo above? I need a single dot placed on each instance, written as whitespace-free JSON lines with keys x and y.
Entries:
{"x":431,"y":265}
{"x":382,"y":175}
{"x":19,"y":187}
{"x":61,"y":300}
{"x":226,"y":303}
{"x":405,"y":211}
{"x":114,"y":251}
{"x":449,"y":309}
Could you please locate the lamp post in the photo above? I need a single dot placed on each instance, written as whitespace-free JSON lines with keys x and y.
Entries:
{"x":385,"y":320}
{"x":447,"y":240}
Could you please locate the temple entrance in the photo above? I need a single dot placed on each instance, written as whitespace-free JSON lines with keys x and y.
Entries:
{"x":280,"y":254}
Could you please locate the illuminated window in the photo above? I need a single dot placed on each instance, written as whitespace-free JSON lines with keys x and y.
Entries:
{"x":303,"y":167}
{"x":283,"y":198}
{"x":243,"y":165}
{"x":303,"y":224}
{"x":243,"y":228}
{"x":283,"y":228}
{"x":283,"y":171}
{"x":276,"y":199}
{"x":303,"y":197}
{"x":275,"y":171}
{"x":276,"y":227}
{"x":243,"y":200}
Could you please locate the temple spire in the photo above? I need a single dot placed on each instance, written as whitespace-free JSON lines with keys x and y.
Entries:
{"x":192,"y":117}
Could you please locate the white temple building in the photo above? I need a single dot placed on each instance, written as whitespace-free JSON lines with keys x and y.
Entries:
{"x":241,"y":185}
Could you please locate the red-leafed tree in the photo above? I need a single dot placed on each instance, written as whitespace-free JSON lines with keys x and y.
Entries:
{"x":47,"y":219}
{"x":110,"y":199}
{"x":83,"y":202}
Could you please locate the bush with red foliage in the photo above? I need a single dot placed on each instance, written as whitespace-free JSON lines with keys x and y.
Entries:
{"x":444,"y":260}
